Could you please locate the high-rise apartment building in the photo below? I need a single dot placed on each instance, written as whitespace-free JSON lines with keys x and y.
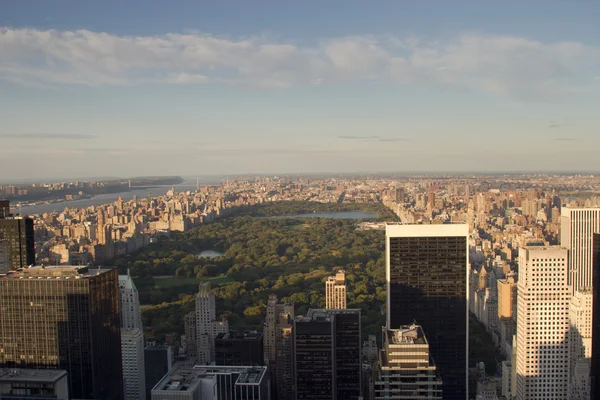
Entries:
{"x":189,"y":326}
{"x":507,"y":297}
{"x":278,"y":343}
{"x":134,"y":374}
{"x":542,"y":361}
{"x":131,"y":316}
{"x":207,"y":327}
{"x":406,"y":369}
{"x":17,"y":245}
{"x":577,"y":227}
{"x":427,"y":273}
{"x":327,"y":347}
{"x":595,"y":362}
{"x":335,"y":291}
{"x":65,"y":318}
{"x":132,"y":340}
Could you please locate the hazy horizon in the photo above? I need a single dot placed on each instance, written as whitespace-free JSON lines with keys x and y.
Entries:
{"x":115,"y":89}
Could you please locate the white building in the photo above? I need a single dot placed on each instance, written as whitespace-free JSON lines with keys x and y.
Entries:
{"x":580,"y":344}
{"x":542,"y":362}
{"x":207,"y":327}
{"x":132,"y":340}
{"x":577,"y":228}
{"x":132,"y":350}
{"x":335,"y":291}
{"x":131,"y":317}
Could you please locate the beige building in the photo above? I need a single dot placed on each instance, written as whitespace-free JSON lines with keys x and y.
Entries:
{"x":335,"y":291}
{"x":278,"y":343}
{"x":542,"y":362}
{"x":507,"y":297}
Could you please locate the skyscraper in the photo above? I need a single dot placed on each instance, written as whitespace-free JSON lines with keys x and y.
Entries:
{"x":335,"y":291}
{"x":406,"y":367}
{"x":278,"y":343}
{"x":159,"y":361}
{"x":542,"y":361}
{"x":131,"y":316}
{"x":595,"y":362}
{"x":132,"y":340}
{"x":427,"y":274}
{"x":134,"y":373}
{"x":238,"y":348}
{"x":327,"y":348}
{"x":4,"y":209}
{"x":17,"y":246}
{"x":507,"y":297}
{"x":65,"y":318}
{"x":577,"y":226}
{"x":580,"y":344}
{"x":207,"y":327}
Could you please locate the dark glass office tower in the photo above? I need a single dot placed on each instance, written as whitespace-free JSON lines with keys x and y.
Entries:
{"x":4,"y":208}
{"x":17,"y":246}
{"x":239,"y":349}
{"x":595,"y":364}
{"x":64,"y":318}
{"x":327,"y":355}
{"x":427,"y":270}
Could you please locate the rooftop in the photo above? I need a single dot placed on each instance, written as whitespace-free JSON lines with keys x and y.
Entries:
{"x":183,"y":378}
{"x":62,"y":271}
{"x":32,"y":375}
{"x":407,"y":334}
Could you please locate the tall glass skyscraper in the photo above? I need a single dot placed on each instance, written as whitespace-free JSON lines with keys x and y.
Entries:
{"x":64,"y":318}
{"x":427,"y":281}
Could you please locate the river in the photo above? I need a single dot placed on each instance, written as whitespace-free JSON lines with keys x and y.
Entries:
{"x":101,"y":199}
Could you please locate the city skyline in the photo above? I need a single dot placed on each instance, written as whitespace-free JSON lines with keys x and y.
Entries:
{"x":303,"y":88}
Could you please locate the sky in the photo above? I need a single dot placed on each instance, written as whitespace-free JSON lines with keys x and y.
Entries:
{"x":195,"y":88}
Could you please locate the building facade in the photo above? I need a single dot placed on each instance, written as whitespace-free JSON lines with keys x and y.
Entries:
{"x":134,"y":374}
{"x":239,"y":348}
{"x":16,"y":384}
{"x":406,"y":369}
{"x":507,"y":297}
{"x":577,"y":227}
{"x":278,"y":343}
{"x":595,"y":361}
{"x":327,"y":347}
{"x":65,"y":318}
{"x":17,"y":245}
{"x":335,"y":291}
{"x":427,"y":270}
{"x":542,"y":361}
{"x":207,"y":327}
{"x":158,"y":362}
{"x":131,"y":316}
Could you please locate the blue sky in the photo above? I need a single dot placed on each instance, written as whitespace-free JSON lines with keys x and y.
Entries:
{"x":190,"y":88}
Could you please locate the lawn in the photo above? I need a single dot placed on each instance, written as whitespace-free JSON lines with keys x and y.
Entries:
{"x":174,"y":281}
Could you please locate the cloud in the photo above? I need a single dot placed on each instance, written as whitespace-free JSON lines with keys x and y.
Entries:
{"x":357,"y":137}
{"x":504,"y":65}
{"x":566,"y":139}
{"x":50,"y":136}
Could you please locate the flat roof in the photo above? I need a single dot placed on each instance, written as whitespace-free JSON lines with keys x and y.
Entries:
{"x":426,"y":230}
{"x":55,"y":271}
{"x":31,"y":375}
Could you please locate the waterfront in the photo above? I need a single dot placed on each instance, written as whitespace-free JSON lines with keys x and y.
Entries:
{"x":107,"y":198}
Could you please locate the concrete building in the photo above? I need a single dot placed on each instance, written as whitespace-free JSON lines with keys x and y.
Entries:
{"x":577,"y":226}
{"x":595,"y":360}
{"x":327,"y":347}
{"x":335,"y":291}
{"x":17,"y":245}
{"x":134,"y":374}
{"x":72,"y":322}
{"x":207,"y":327}
{"x":34,"y":383}
{"x":427,"y":272}
{"x":131,"y":316}
{"x":406,"y":369}
{"x":213,"y":382}
{"x":278,"y":344}
{"x":507,"y":297}
{"x":542,"y":362}
{"x":580,"y":344}
{"x":507,"y":379}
